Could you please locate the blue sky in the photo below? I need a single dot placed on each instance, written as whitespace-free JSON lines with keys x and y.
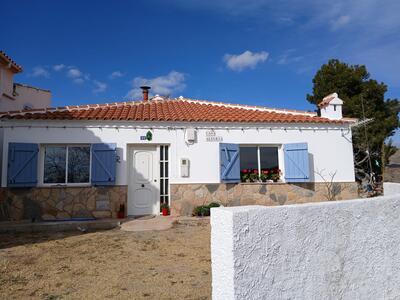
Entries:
{"x":255,"y":52}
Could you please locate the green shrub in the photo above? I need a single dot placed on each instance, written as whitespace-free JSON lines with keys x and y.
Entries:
{"x":214,"y":204}
{"x":201,"y":211}
{"x":204,"y":210}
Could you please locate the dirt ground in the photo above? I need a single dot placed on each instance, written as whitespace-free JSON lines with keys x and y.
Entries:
{"x":172,"y":264}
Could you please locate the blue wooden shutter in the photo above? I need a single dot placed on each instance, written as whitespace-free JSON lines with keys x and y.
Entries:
{"x":104,"y":159}
{"x":297,"y":167}
{"x":230,"y":162}
{"x":22,"y":164}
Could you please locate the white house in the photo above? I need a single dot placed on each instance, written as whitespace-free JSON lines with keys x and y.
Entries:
{"x":93,"y":160}
{"x":17,"y":96}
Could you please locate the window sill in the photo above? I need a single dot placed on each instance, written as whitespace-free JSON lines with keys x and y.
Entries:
{"x":262,"y":183}
{"x":64,"y":185}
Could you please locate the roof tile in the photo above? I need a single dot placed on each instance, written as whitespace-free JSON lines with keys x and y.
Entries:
{"x":185,"y":110}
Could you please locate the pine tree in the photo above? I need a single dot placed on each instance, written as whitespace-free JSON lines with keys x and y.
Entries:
{"x":363,"y":98}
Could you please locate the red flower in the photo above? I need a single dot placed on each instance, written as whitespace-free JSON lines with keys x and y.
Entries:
{"x":265,"y":172}
{"x":255,"y":171}
{"x":244,"y":171}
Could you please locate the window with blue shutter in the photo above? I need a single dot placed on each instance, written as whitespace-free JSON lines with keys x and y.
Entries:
{"x":104,"y":158}
{"x":229,"y":162}
{"x":22,"y":164}
{"x":297,"y":167}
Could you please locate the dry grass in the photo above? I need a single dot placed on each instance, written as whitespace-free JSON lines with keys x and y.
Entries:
{"x":172,"y":264}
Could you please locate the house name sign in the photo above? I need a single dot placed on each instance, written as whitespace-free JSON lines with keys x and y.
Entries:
{"x":211,"y":136}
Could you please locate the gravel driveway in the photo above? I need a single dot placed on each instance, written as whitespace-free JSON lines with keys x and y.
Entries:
{"x":171,"y":264}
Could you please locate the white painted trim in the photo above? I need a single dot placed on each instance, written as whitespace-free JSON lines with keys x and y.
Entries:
{"x":117,"y":124}
{"x":280,"y":157}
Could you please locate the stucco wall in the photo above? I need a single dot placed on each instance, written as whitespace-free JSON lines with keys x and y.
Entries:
{"x":330,"y":147}
{"x":185,"y":197}
{"x":24,"y":94}
{"x":331,"y":250}
{"x":37,"y":97}
{"x":391,"y":188}
{"x":49,"y":203}
{"x":6,"y":83}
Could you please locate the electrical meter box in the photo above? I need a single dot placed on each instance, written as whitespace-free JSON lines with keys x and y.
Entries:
{"x":190,"y":135}
{"x":185,"y":166}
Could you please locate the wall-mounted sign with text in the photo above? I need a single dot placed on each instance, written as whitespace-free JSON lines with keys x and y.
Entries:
{"x":211,"y":136}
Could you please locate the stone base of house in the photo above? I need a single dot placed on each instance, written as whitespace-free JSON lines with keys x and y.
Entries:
{"x":184,"y":197}
{"x":49,"y":203}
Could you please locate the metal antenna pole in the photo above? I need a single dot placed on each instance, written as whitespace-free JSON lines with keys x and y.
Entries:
{"x":366,"y":138}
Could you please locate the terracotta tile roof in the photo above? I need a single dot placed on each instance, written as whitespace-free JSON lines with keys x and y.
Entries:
{"x":327,"y":100}
{"x":180,"y":109}
{"x":5,"y":59}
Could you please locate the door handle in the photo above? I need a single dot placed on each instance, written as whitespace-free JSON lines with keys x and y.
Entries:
{"x":142,"y":185}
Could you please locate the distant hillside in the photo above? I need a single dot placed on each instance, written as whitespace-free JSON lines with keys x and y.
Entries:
{"x":392,"y":171}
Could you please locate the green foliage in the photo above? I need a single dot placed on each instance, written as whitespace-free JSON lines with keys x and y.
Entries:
{"x":214,"y":204}
{"x":388,"y":150}
{"x":164,"y":205}
{"x":201,"y":211}
{"x":204,"y":210}
{"x":355,"y":87}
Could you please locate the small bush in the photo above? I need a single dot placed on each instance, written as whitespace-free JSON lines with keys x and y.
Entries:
{"x":214,"y":204}
{"x":201,"y":211}
{"x":204,"y":210}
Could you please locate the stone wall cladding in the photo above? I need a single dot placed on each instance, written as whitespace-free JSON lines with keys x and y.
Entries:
{"x":48,"y":203}
{"x":184,"y":197}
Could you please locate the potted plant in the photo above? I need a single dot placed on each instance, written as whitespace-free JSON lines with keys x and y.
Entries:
{"x":244,"y":174}
{"x":275,"y":176}
{"x":254,"y":176}
{"x":121,"y":212}
{"x":264,"y":176}
{"x":165,"y":209}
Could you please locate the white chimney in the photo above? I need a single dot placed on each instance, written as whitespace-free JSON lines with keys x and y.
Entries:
{"x":331,"y":107}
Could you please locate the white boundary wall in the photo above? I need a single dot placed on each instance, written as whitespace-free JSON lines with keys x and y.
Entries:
{"x":329,"y":250}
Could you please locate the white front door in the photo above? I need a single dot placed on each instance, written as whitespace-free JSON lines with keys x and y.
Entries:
{"x":143,"y":189}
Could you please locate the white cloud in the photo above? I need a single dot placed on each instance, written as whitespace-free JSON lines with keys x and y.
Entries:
{"x":59,"y":67}
{"x":245,"y":60}
{"x":74,"y":73}
{"x":78,"y":80}
{"x":99,"y":86}
{"x":40,"y":72}
{"x":289,"y":57}
{"x":368,"y":15}
{"x":116,"y":74}
{"x":321,"y":29}
{"x":164,"y":85}
{"x":340,"y":22}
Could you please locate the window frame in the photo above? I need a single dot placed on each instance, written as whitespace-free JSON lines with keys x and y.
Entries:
{"x":280,"y":158}
{"x":166,"y":148}
{"x":41,"y":166}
